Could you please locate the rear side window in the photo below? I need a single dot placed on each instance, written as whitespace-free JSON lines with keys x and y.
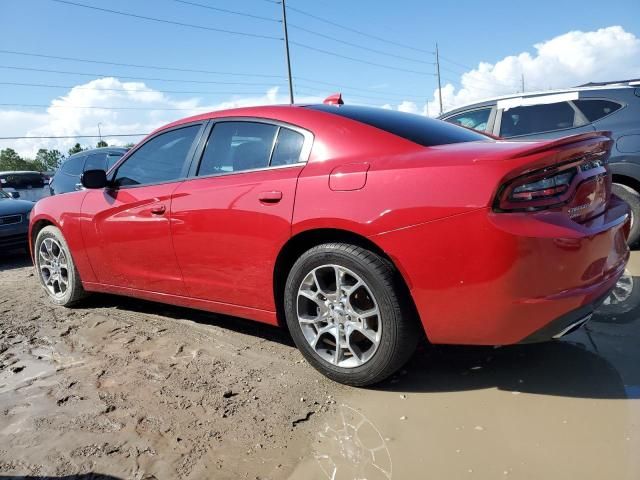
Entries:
{"x":531,"y":119}
{"x":159,"y":160}
{"x":415,"y":128}
{"x":112,"y":159}
{"x":22,"y":180}
{"x":476,"y":119}
{"x":596,"y":109}
{"x":288,"y":148}
{"x":74,"y":165}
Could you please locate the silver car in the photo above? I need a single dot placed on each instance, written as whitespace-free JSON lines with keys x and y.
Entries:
{"x":612,"y":106}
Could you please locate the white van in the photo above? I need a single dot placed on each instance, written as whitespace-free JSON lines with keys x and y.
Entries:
{"x":25,"y":185}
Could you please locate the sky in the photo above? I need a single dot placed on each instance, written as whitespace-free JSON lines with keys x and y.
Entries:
{"x":375,"y":53}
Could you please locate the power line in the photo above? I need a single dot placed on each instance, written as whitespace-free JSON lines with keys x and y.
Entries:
{"x":127,"y":77}
{"x":353,"y":59}
{"x":76,"y":136}
{"x":153,"y":67}
{"x":224,"y":10}
{"x":170,"y":22}
{"x":32,"y":105}
{"x":43,"y":85}
{"x":359,"y":32}
{"x":369,"y":49}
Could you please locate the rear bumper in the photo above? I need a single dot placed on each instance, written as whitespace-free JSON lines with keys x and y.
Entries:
{"x":484,"y":278}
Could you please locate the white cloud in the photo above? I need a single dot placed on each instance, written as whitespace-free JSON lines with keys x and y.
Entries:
{"x":59,"y":120}
{"x":567,"y":60}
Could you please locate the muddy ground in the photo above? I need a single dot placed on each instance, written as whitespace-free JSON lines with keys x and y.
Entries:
{"x":141,"y":390}
{"x":127,"y":389}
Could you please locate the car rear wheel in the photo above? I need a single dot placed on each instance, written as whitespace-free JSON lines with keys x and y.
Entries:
{"x":55,"y":268}
{"x":348,"y":315}
{"x":632,"y":197}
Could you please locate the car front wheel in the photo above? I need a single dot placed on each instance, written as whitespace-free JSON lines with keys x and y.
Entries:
{"x":348,"y":314}
{"x":55,"y":268}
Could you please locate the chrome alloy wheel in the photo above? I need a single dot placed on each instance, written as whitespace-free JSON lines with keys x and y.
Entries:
{"x":53,"y":267}
{"x":339,"y":316}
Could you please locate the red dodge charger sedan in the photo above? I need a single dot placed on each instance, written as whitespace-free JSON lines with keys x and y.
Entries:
{"x":358,"y":228}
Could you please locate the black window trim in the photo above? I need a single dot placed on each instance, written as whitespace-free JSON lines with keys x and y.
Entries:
{"x":188,"y":161}
{"x":305,"y":153}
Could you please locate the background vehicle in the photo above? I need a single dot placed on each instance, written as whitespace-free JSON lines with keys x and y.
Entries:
{"x":613,"y":106}
{"x":14,"y":221}
{"x":351,"y":226}
{"x":28,"y":185}
{"x":67,"y":178}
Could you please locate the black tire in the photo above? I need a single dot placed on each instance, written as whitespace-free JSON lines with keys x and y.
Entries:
{"x":632,"y":197}
{"x":399,"y":325}
{"x":74,"y":292}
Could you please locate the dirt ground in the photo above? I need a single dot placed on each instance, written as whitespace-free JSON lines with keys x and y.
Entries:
{"x":136,"y":390}
{"x":126,"y":389}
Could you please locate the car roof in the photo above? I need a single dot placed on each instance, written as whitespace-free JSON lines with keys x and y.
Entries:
{"x":98,"y":149}
{"x":19,"y":172}
{"x":622,"y":85}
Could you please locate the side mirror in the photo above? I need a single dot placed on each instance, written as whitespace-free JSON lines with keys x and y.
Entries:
{"x":15,"y":194}
{"x":94,"y":179}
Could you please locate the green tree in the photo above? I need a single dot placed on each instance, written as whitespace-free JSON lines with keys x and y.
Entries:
{"x":129,"y":145}
{"x":48,"y":160}
{"x":77,"y":148}
{"x":10,"y":160}
{"x":101,"y":144}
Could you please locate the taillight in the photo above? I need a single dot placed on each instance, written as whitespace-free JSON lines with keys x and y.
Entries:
{"x":552,"y":186}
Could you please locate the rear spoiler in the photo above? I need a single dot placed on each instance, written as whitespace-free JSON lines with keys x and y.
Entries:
{"x":603,"y":136}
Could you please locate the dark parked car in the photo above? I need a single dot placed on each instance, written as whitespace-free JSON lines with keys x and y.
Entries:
{"x":14,"y":221}
{"x":613,"y":107}
{"x":67,"y":178}
{"x":26,"y":185}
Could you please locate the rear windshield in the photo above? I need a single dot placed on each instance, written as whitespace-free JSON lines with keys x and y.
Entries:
{"x":422,"y":130}
{"x":22,"y":180}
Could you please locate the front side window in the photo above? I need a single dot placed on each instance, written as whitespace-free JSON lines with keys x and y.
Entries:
{"x":74,"y":165}
{"x":596,"y":109}
{"x":476,"y":119}
{"x":530,"y":119}
{"x":159,"y":160}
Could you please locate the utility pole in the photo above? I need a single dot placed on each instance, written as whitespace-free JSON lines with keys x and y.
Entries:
{"x":438,"y":74}
{"x":99,"y":133}
{"x":286,"y":46}
{"x":522,"y":82}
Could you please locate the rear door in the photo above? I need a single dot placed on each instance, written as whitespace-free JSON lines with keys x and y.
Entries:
{"x":231,"y":218}
{"x":126,"y":227}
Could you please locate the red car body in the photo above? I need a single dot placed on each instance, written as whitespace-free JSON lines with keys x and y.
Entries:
{"x":477,"y":272}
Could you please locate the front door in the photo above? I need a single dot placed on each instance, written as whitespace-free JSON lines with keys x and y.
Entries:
{"x":127,"y":229}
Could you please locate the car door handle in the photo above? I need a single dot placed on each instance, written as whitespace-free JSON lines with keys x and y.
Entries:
{"x":158,"y":210}
{"x":274,"y":196}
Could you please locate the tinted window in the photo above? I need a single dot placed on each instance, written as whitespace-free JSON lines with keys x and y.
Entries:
{"x":536,"y":118}
{"x":161,"y":159}
{"x":416,"y":128}
{"x":112,"y":158}
{"x":596,"y":109}
{"x":476,"y":119}
{"x":74,"y":165}
{"x":22,"y":180}
{"x":237,"y":146}
{"x":96,"y":161}
{"x":288,"y":148}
